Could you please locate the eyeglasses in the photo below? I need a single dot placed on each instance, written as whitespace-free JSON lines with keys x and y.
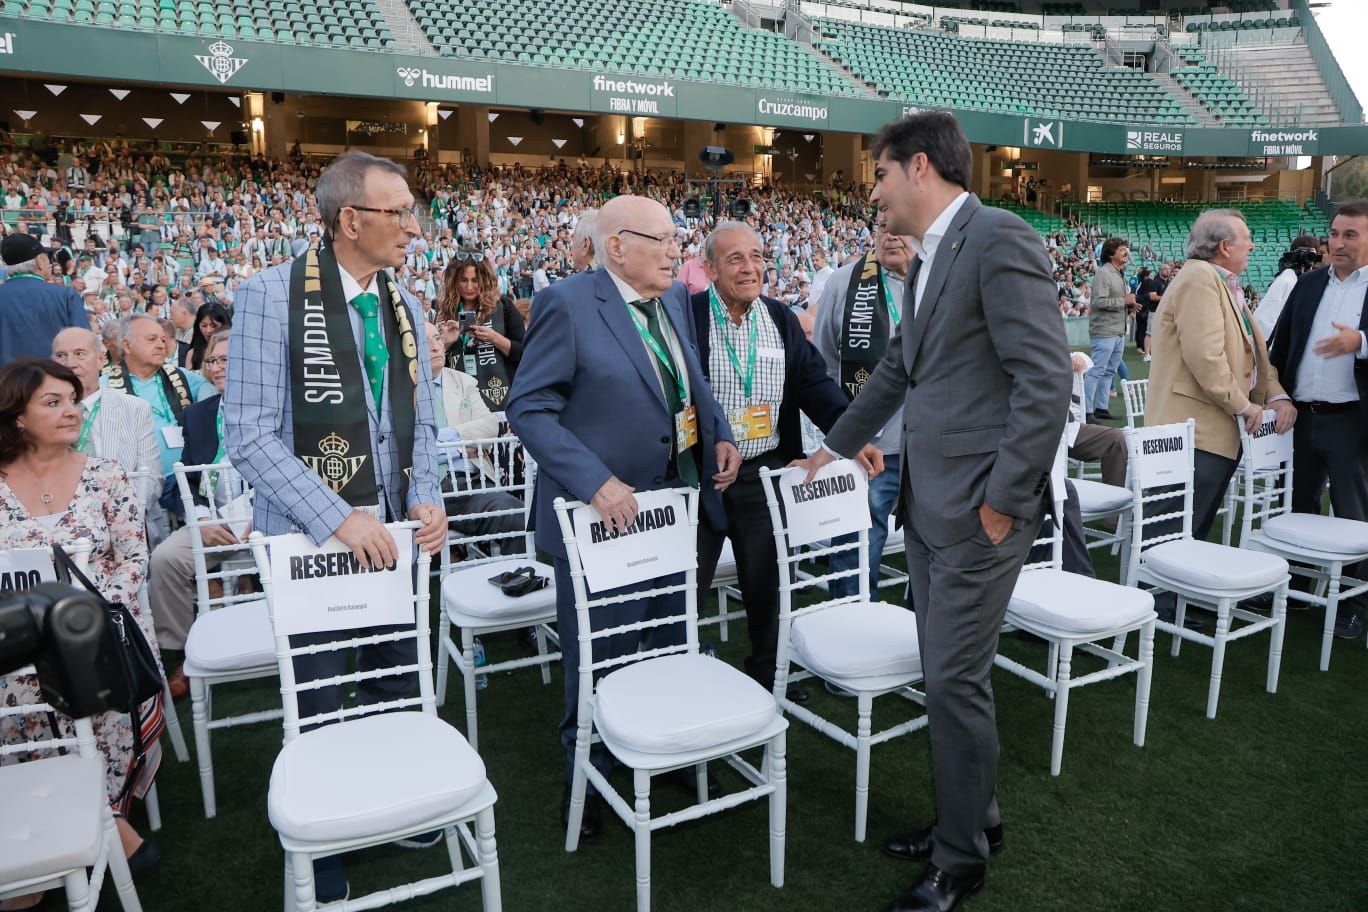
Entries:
{"x":216,"y":361}
{"x":406,"y":217}
{"x":468,"y":256}
{"x":668,"y":238}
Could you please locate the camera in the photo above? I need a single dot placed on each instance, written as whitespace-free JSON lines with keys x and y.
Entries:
{"x":1305,"y":258}
{"x":60,"y":630}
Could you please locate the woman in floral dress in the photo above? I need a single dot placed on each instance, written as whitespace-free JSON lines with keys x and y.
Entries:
{"x":50,"y":493}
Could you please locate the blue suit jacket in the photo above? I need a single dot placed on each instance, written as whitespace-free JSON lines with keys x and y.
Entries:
{"x":259,"y":424}
{"x":588,"y":406}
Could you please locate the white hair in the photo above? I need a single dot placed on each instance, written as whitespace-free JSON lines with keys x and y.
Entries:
{"x":1211,"y":228}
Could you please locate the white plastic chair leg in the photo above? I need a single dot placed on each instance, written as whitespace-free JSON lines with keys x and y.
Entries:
{"x":1331,"y":612}
{"x":1179,"y":615}
{"x":289,"y":883}
{"x":77,"y":891}
{"x":540,"y":633}
{"x":488,"y":853}
{"x":641,"y":830}
{"x":1218,"y":655}
{"x":701,"y":782}
{"x":865,"y":704}
{"x":1061,"y":707}
{"x":303,"y":882}
{"x":1275,"y":645}
{"x":173,"y":726}
{"x":153,"y":806}
{"x":579,"y":784}
{"x":468,"y":679}
{"x":118,"y":869}
{"x":777,"y":773}
{"x":722,"y":612}
{"x":444,"y":648}
{"x":1142,"y":683}
{"x":199,"y":720}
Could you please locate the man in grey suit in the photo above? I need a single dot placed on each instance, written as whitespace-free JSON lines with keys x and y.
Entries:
{"x":328,"y":412}
{"x":981,"y":369}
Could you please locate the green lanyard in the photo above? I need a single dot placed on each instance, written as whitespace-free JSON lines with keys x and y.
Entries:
{"x":892,"y":303}
{"x":666,"y":362}
{"x":748,"y":376}
{"x":89,"y":423}
{"x":209,"y":483}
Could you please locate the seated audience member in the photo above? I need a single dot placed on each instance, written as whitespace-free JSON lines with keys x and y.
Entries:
{"x":171,"y":595}
{"x":1096,"y":441}
{"x":209,"y":319}
{"x":52,"y":494}
{"x":168,"y":389}
{"x":114,"y":425}
{"x":461,"y":414}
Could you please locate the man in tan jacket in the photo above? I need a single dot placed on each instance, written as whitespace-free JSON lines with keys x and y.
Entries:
{"x":1210,"y":360}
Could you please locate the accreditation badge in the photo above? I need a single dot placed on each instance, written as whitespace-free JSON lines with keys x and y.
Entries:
{"x":471,"y":368}
{"x":686,"y":428}
{"x":751,"y":423}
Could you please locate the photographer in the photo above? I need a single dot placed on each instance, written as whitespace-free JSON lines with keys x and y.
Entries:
{"x":1304,"y":255}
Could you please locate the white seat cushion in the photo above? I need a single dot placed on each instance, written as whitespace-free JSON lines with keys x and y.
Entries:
{"x":371,"y":775}
{"x":1319,"y":533}
{"x":858,"y":640}
{"x":52,"y":816}
{"x":231,"y":638}
{"x":470,"y":592}
{"x":1096,"y":498}
{"x":680,"y":703}
{"x":1074,"y":603}
{"x":1211,"y":566}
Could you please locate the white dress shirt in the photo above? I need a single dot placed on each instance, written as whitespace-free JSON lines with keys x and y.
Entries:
{"x":1271,"y":304}
{"x":925,"y":247}
{"x":1321,"y":379}
{"x":629,"y":294}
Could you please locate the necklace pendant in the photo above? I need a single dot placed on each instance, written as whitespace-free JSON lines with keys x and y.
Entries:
{"x":46,"y":498}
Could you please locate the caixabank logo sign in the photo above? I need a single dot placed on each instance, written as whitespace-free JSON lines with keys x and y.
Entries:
{"x":1154,"y":140}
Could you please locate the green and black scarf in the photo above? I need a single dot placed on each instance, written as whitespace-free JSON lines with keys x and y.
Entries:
{"x":172,"y":381}
{"x":328,"y":388}
{"x":864,"y":326}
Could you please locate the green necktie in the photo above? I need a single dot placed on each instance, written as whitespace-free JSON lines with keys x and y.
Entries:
{"x":87,"y":441}
{"x":438,"y":405}
{"x":377,"y":356}
{"x":684,"y":460}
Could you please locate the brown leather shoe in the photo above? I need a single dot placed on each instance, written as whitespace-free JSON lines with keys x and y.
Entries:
{"x":179,"y":684}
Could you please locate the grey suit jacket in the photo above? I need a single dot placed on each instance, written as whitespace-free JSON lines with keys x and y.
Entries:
{"x":983,"y":375}
{"x":124,"y":432}
{"x":258,"y":418}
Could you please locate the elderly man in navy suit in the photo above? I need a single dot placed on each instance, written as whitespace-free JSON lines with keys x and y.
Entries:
{"x":609,"y":362}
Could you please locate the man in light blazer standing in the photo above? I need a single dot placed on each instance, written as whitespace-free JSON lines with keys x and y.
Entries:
{"x":1210,"y":361}
{"x":981,"y":369}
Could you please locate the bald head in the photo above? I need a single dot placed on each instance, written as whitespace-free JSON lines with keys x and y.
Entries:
{"x":80,"y":350}
{"x":634,"y":238}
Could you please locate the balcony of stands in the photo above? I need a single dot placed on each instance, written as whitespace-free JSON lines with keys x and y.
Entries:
{"x":356,"y":24}
{"x":684,"y":39}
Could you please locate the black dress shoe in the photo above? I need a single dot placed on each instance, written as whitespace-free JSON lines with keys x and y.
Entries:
{"x":797,"y":695}
{"x":589,"y":820}
{"x":1167,"y":614}
{"x":917,"y":845}
{"x":1348,"y":624}
{"x":686,"y":779}
{"x":1103,"y":415}
{"x":938,"y":891}
{"x":143,"y":859}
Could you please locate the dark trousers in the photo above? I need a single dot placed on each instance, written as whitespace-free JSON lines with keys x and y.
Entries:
{"x":1075,"y":555}
{"x":757,"y":563}
{"x":1332,"y":447}
{"x":1210,"y":479}
{"x":1141,"y":324}
{"x":460,"y":509}
{"x":605,"y":616}
{"x":328,"y":664}
{"x":961,"y":592}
